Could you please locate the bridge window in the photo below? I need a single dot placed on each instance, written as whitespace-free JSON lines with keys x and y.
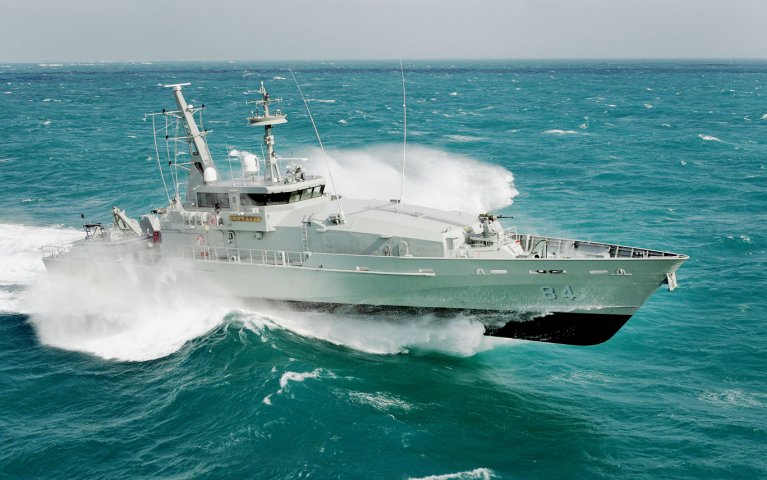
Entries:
{"x":209,"y":200}
{"x":279,"y":198}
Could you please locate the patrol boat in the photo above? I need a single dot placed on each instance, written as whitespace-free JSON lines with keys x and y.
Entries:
{"x":274,"y":234}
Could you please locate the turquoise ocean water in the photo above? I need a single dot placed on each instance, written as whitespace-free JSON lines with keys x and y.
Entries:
{"x":138,"y":384}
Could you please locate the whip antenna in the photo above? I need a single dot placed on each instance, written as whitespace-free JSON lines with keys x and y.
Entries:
{"x":404,"y":135}
{"x":322,"y":147}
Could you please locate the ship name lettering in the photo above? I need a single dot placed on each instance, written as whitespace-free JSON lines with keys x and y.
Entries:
{"x":244,"y":218}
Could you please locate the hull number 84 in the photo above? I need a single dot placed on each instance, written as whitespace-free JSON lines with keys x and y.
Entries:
{"x":566,"y":293}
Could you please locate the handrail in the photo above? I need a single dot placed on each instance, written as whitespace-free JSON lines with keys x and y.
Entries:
{"x":238,"y":255}
{"x":53,"y":251}
{"x":565,"y":248}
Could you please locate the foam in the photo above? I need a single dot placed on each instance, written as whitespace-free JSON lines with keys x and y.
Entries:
{"x":21,"y":249}
{"x":122,"y":312}
{"x":295,"y":377}
{"x":434,"y":178}
{"x":477,"y":473}
{"x":708,"y":138}
{"x":733,"y":398}
{"x":464,"y":138}
{"x":557,"y":131}
{"x":380,"y":401}
{"x":21,"y":258}
{"x":382,"y":334}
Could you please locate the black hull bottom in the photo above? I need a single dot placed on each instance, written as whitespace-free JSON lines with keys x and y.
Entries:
{"x":559,"y":327}
{"x":567,"y":328}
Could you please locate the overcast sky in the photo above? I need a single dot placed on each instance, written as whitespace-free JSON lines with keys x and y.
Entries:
{"x":112,"y":30}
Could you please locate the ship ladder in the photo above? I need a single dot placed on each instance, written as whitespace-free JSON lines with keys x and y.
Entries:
{"x":305,"y":238}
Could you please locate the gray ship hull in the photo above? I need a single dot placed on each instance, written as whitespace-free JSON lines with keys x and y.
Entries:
{"x":572,"y":301}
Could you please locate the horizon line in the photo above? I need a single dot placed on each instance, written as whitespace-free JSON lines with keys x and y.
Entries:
{"x":419,"y":59}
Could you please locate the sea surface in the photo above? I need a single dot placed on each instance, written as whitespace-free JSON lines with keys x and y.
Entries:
{"x":133,"y":382}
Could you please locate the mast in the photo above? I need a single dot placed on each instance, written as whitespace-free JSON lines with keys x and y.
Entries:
{"x":201,"y":157}
{"x":267,"y":119}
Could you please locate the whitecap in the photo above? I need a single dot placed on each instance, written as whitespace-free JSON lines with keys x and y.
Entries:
{"x":476,"y":474}
{"x":463,"y":138}
{"x":296,"y":377}
{"x":648,"y":106}
{"x":764,"y":117}
{"x":557,"y":131}
{"x":731,"y":398}
{"x":453,"y":94}
{"x":380,"y":401}
{"x":279,"y":78}
{"x":708,"y":138}
{"x":343,"y":122}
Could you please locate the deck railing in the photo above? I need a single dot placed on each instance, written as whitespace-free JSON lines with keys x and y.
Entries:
{"x":52,"y":251}
{"x":238,"y":255}
{"x":546,"y":247}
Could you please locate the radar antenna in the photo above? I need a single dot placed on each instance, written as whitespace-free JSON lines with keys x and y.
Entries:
{"x":262,"y":117}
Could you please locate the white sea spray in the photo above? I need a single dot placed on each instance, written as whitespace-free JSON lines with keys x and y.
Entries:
{"x":434,"y":178}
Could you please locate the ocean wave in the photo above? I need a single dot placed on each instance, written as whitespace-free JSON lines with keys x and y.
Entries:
{"x":464,"y":138}
{"x":381,"y":334}
{"x":557,"y":131}
{"x":708,"y":138}
{"x":295,"y":377}
{"x":122,"y":313}
{"x":731,"y":398}
{"x":380,"y":401}
{"x":476,"y":474}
